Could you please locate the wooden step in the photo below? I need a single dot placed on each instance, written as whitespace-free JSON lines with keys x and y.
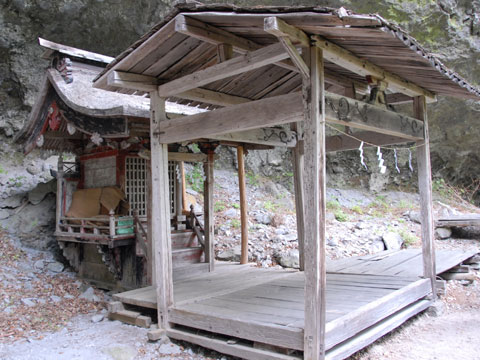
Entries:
{"x":185,"y":256}
{"x":183,"y":239}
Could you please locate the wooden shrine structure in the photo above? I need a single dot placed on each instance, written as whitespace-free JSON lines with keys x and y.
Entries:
{"x":297,"y":69}
{"x":107,"y":137}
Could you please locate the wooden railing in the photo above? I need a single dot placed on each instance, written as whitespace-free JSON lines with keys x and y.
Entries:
{"x":197,"y":227}
{"x":109,"y":226}
{"x":140,"y":235}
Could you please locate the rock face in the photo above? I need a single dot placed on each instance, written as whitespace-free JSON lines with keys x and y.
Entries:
{"x":448,"y":28}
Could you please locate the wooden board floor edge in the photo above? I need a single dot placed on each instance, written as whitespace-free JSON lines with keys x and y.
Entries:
{"x":375,"y":332}
{"x":238,"y":350}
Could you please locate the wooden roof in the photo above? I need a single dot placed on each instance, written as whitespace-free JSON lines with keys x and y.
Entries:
{"x":78,"y":98}
{"x":167,"y":54}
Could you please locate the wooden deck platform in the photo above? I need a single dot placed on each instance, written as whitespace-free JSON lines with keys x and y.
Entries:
{"x":366,"y":298}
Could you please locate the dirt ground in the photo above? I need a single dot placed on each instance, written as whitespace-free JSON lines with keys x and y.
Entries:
{"x":451,"y":335}
{"x":64,"y":328}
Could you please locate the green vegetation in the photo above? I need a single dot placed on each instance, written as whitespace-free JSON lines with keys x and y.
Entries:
{"x":16,"y":181}
{"x":407,"y":236}
{"x":357,"y":209}
{"x":236,"y":206}
{"x":333,"y":205}
{"x":252,"y":179}
{"x":235,"y":223}
{"x":341,"y":216}
{"x":195,"y":148}
{"x":270,"y":206}
{"x":195,"y":178}
{"x":404,"y":204}
{"x":219,"y":206}
{"x":2,"y":170}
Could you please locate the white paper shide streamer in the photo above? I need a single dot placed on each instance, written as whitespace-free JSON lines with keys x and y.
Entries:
{"x":382,"y":167}
{"x":410,"y":160}
{"x":361,"y":156}
{"x":396,"y":160}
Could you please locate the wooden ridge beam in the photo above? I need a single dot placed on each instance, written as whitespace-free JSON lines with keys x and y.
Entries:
{"x":249,"y":61}
{"x":276,"y":26}
{"x":350,"y":61}
{"x":287,"y":109}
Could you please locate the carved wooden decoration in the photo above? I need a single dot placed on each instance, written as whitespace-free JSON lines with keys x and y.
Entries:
{"x":64,"y":67}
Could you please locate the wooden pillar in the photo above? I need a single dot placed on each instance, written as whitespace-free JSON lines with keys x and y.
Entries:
{"x":208,"y":210}
{"x":184,"y":187}
{"x":59,"y":209}
{"x":298,"y":175}
{"x":150,"y":254}
{"x":179,"y":190}
{"x":243,"y":205}
{"x":161,"y":233}
{"x":425,"y":190}
{"x":314,"y":191}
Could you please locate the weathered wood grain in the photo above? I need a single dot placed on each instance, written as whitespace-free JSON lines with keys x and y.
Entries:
{"x":315,"y":208}
{"x":425,"y":190}
{"x":287,"y":109}
{"x":161,"y":234}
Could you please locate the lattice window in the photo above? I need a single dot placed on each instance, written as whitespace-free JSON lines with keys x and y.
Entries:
{"x":136,"y":184}
{"x":172,"y":185}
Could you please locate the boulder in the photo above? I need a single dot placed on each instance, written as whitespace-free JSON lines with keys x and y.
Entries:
{"x":263,"y":218}
{"x":231,"y":254}
{"x":55,"y":267}
{"x":89,"y":295}
{"x":97,"y":318}
{"x":443,"y":233}
{"x":12,"y":201}
{"x":289,"y":259}
{"x":39,"y":264}
{"x":38,"y":194}
{"x":231,"y":213}
{"x":414,"y":216}
{"x":4,"y":214}
{"x":377,"y":246}
{"x":392,"y":241}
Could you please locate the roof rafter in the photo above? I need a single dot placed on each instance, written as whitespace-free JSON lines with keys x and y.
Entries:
{"x":350,"y":61}
{"x":249,"y":61}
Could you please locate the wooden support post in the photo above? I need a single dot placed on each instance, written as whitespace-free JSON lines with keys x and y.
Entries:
{"x":59,"y":209}
{"x":184,"y":187}
{"x":179,"y":191}
{"x":315,"y":191}
{"x":224,"y":52}
{"x":112,"y":222}
{"x":150,"y":252}
{"x":243,"y":205}
{"x":298,"y":175}
{"x":208,"y":210}
{"x":161,"y":234}
{"x":425,"y":190}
